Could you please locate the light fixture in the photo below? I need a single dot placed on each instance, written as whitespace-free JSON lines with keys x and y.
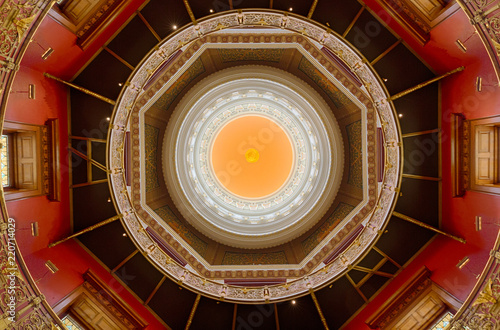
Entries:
{"x":290,"y":9}
{"x":400,"y":115}
{"x":174,"y":27}
{"x":293,"y":302}
{"x":46,"y":52}
{"x":479,"y":84}
{"x":30,"y":91}
{"x":50,"y":265}
{"x":108,"y":119}
{"x":124,"y":235}
{"x":461,"y":44}
{"x":463,"y":264}
{"x":34,"y":229}
{"x":211,"y":10}
{"x":109,"y":199}
{"x":479,"y":223}
{"x":385,"y":79}
{"x":120,"y":84}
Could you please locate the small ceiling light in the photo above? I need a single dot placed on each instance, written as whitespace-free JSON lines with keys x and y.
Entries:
{"x":385,"y":79}
{"x":174,"y":27}
{"x":124,"y":235}
{"x":290,"y":9}
{"x":211,"y":10}
{"x":108,"y":119}
{"x":400,"y":115}
{"x":109,"y":199}
{"x":120,"y":84}
{"x":293,"y":302}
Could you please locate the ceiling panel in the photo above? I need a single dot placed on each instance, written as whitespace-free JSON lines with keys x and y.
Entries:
{"x":398,"y":80}
{"x":337,"y":14}
{"x":103,"y":75}
{"x":421,"y":155}
{"x":101,"y":239}
{"x":143,"y":38}
{"x":89,"y":115}
{"x":339,"y":302}
{"x":140,"y":276}
{"x":419,"y":109}
{"x":403,"y":239}
{"x":172,"y":304}
{"x":251,"y":4}
{"x":163,"y":15}
{"x":300,"y":7}
{"x":256,"y":317}
{"x":207,"y":309}
{"x":299,"y":316}
{"x":420,"y":200}
{"x":369,"y":36}
{"x":90,"y":205}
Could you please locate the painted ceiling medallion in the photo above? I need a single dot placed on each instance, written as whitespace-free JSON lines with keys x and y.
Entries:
{"x":260,"y":204}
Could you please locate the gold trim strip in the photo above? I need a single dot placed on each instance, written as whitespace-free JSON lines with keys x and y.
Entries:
{"x":87,"y":138}
{"x":157,"y":287}
{"x":436,"y":130}
{"x":276,"y":317}
{"x":421,"y":177}
{"x":124,"y":261}
{"x":378,"y":58}
{"x":356,"y":287}
{"x":316,"y":303}
{"x":193,"y":310}
{"x":235,"y":312}
{"x":271,"y":3}
{"x":313,"y":8}
{"x":143,"y":19}
{"x":81,"y":89}
{"x":93,"y":162}
{"x":118,"y":57}
{"x":353,"y":22}
{"x":190,"y":12}
{"x":86,"y":230}
{"x":88,"y":183}
{"x":425,"y":83}
{"x":426,"y":226}
{"x":231,"y":5}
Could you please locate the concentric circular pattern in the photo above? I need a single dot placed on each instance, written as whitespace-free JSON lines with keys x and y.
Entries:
{"x":250,"y":205}
{"x":252,"y":156}
{"x":196,"y":124}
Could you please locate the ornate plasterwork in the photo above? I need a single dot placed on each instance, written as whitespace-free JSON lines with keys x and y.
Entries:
{"x":373,"y":216}
{"x":316,"y":140}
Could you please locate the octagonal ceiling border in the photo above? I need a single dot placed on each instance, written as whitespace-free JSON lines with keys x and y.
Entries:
{"x":330,"y":241}
{"x":375,"y":222}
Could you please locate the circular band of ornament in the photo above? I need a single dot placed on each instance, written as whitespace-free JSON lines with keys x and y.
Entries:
{"x":374,"y":222}
{"x":296,"y":108}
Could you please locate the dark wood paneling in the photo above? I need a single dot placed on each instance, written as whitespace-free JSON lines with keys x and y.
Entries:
{"x":90,"y":205}
{"x":88,"y":115}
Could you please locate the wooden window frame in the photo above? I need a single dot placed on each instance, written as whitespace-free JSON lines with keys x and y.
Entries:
{"x":475,"y":125}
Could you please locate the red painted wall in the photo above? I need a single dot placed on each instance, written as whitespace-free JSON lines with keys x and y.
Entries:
{"x":458,"y":214}
{"x":53,"y":217}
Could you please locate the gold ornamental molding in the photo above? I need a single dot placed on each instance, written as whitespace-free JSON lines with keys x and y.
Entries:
{"x":130,"y":102}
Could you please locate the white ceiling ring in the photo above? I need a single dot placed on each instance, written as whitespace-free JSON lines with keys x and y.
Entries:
{"x":299,"y":110}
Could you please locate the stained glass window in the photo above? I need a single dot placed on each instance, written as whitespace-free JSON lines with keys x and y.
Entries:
{"x":4,"y":160}
{"x":71,"y":324}
{"x":443,"y":322}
